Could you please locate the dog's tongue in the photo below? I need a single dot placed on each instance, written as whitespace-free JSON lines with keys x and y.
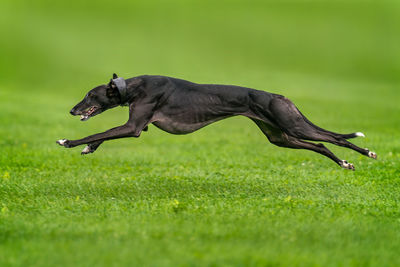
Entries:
{"x":84,"y":117}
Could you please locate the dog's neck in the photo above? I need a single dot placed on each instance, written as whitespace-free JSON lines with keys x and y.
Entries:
{"x":129,"y":92}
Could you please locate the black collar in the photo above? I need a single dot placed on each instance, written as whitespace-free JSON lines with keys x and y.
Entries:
{"x":121,"y":86}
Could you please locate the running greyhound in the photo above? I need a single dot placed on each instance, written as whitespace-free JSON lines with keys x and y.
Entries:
{"x":181,"y":107}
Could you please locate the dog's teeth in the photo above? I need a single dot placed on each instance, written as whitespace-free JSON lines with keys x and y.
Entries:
{"x":84,"y":117}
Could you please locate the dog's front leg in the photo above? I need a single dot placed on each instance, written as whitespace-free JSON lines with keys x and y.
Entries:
{"x":126,"y":130}
{"x":91,"y":147}
{"x":133,"y":128}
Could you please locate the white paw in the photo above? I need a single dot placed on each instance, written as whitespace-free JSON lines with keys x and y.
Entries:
{"x":86,"y":150}
{"x":372,"y":155}
{"x":344,"y":164}
{"x":61,"y":142}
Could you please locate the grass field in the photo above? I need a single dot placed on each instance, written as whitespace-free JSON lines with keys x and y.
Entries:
{"x":223,"y":195}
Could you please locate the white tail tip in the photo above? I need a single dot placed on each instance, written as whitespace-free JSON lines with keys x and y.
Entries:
{"x":360,"y":134}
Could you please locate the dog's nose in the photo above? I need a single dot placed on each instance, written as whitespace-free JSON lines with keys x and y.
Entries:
{"x":72,"y":112}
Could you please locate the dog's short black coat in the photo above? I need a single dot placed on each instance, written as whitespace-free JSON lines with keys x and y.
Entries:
{"x":180,"y":107}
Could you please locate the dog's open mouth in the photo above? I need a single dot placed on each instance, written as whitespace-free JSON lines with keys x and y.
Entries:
{"x":86,"y":114}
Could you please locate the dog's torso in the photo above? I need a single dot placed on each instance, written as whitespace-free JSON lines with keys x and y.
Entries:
{"x":184,"y":107}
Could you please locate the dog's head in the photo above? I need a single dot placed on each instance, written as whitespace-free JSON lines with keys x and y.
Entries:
{"x":99,"y":99}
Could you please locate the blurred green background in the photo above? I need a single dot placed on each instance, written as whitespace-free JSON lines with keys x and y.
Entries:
{"x":220,"y":196}
{"x":43,"y":41}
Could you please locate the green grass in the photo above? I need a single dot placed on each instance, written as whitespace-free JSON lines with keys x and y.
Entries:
{"x":220,"y":196}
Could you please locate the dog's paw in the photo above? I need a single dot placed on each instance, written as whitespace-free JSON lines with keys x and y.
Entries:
{"x":91,"y":147}
{"x":372,"y":155}
{"x":87,"y":150}
{"x":64,"y":143}
{"x":344,"y":164}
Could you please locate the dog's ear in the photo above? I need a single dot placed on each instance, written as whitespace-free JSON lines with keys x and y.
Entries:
{"x":115,"y":76}
{"x":112,"y":90}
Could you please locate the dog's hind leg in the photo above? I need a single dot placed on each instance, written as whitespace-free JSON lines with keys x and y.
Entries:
{"x":290,"y":120}
{"x":279,"y":138}
{"x":344,"y":143}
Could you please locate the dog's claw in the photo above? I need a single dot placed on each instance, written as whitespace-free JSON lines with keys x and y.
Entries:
{"x":344,"y":164}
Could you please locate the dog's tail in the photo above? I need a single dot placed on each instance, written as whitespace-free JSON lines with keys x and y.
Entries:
{"x":345,"y":136}
{"x":353,"y":135}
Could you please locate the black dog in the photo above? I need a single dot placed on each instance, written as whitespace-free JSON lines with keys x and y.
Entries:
{"x":180,"y":107}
